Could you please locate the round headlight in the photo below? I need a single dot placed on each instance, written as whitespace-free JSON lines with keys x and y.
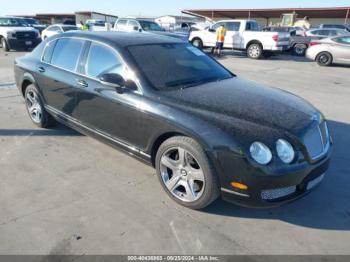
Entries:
{"x":260,"y":153}
{"x":285,"y":151}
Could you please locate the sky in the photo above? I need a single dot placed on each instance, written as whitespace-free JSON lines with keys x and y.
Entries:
{"x":149,"y":7}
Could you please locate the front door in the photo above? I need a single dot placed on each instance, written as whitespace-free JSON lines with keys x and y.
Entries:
{"x":100,"y":106}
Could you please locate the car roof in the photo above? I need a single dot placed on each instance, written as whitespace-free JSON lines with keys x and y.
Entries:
{"x":122,"y":39}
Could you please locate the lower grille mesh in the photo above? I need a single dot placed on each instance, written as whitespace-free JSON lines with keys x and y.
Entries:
{"x":272,"y":194}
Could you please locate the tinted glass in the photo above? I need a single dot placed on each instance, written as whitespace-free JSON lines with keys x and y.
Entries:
{"x":48,"y":51}
{"x":54,"y":29}
{"x":121,"y":22}
{"x":252,"y":26}
{"x":66,"y":53}
{"x":150,"y":26}
{"x":12,"y":22}
{"x":232,"y":26}
{"x":102,"y":59}
{"x":343,"y":40}
{"x":217,"y":25}
{"x":172,"y":66}
{"x":69,"y":28}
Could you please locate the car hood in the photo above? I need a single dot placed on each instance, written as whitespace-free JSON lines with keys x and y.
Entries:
{"x":238,"y":101}
{"x":20,"y":28}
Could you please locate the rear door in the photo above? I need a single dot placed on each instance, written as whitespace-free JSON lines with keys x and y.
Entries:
{"x":56,"y":73}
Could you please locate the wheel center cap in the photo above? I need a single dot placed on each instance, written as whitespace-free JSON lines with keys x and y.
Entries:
{"x":183,"y":172}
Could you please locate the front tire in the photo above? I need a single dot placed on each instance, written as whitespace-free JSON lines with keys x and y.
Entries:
{"x":4,"y":45}
{"x":36,"y":109}
{"x":197,"y":43}
{"x":186,"y":173}
{"x":255,"y":51}
{"x":324,"y":59}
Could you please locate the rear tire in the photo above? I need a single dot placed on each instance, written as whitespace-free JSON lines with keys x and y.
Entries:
{"x":36,"y":109}
{"x":197,"y":42}
{"x":255,"y":51}
{"x":324,"y":59}
{"x":186,"y":173}
{"x":299,"y":49}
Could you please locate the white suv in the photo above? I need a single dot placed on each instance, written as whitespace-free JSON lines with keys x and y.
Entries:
{"x":15,"y":34}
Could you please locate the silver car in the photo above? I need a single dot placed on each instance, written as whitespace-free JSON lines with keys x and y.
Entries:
{"x":329,"y":32}
{"x":330,"y":50}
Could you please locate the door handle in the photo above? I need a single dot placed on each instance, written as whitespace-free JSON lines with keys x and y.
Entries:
{"x":41,"y":69}
{"x":82,"y":83}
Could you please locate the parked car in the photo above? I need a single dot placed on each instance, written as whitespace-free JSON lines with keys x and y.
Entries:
{"x":242,"y":35}
{"x":336,"y":26}
{"x":330,"y":50}
{"x":35,"y":24}
{"x":326,"y":32}
{"x":205,"y":130}
{"x":145,"y":26}
{"x":57,"y":29}
{"x":15,"y":34}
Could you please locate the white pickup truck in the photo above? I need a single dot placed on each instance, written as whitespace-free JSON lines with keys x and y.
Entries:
{"x":15,"y":34}
{"x":242,"y":35}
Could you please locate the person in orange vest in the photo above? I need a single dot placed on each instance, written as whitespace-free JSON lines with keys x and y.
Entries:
{"x":220,"y":39}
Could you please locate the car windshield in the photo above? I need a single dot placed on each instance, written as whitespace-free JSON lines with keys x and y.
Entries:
{"x":150,"y":26}
{"x":69,"y":28}
{"x":30,"y":21}
{"x":12,"y":22}
{"x":176,"y":66}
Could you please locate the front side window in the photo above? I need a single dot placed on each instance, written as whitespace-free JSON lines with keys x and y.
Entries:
{"x":233,"y":26}
{"x":133,"y":24}
{"x":102,"y":59}
{"x":176,"y":66}
{"x":66,"y":53}
{"x":121,"y":23}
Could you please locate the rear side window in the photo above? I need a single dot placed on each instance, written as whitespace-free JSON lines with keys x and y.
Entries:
{"x":343,"y":40}
{"x":102,"y":59}
{"x":48,"y":51}
{"x":66,"y":53}
{"x":121,"y":23}
{"x":252,"y":26}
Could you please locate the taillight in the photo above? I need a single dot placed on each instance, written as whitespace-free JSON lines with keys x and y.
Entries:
{"x":275,"y":38}
{"x":314,"y":43}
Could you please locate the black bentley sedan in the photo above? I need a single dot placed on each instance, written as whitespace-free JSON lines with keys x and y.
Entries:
{"x":207,"y":132}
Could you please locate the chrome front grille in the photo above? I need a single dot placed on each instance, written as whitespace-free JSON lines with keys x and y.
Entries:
{"x":317,"y":141}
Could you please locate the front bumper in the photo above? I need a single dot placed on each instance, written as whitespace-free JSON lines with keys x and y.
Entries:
{"x":17,"y":44}
{"x":274,"y":189}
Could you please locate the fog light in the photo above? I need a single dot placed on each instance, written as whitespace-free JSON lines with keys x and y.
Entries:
{"x":239,"y":185}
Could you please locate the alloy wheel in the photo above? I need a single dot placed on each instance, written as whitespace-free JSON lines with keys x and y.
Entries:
{"x":324,"y":59}
{"x":254,"y":51}
{"x":182,"y":174}
{"x":34,"y":106}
